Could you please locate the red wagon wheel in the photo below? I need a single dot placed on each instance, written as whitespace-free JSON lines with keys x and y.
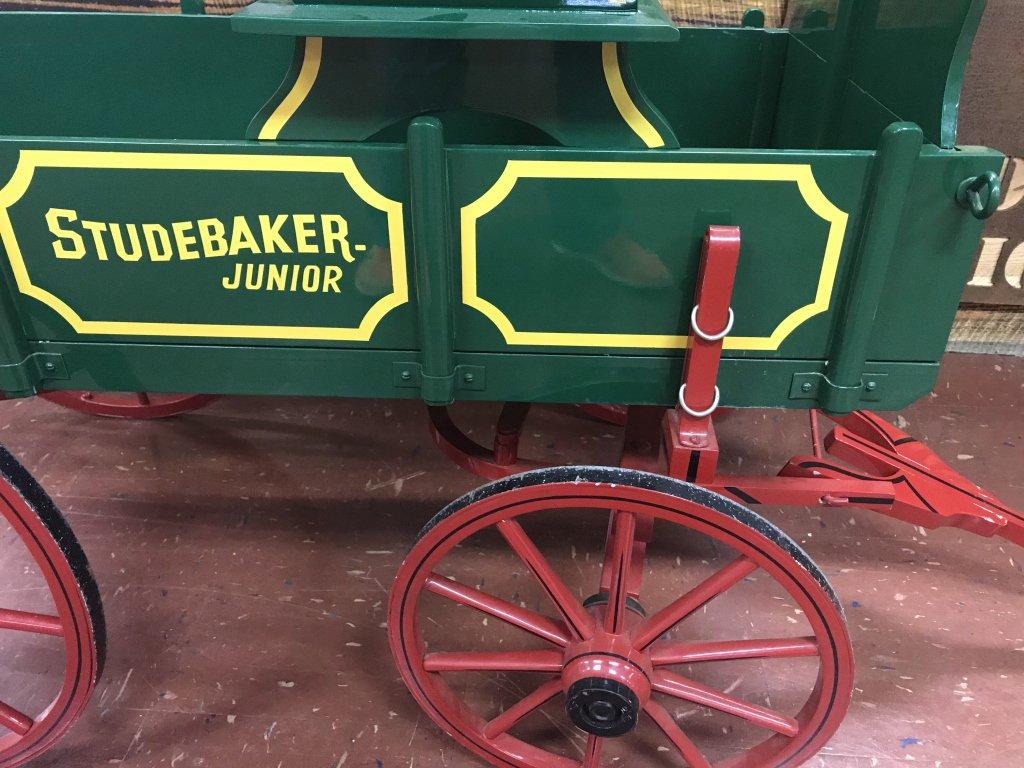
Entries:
{"x":53,"y":652}
{"x":608,"y":664}
{"x":128,"y":405}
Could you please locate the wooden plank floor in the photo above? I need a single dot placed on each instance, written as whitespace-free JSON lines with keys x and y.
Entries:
{"x":244,"y":554}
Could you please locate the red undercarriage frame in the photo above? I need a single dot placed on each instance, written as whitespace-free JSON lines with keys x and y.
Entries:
{"x":870,"y":463}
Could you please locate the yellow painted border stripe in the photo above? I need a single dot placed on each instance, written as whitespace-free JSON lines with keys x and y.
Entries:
{"x":801,"y":175}
{"x":30,"y":160}
{"x":640,"y":125}
{"x":312,"y":55}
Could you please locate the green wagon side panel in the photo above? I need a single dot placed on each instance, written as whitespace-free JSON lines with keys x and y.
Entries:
{"x":207,"y":241}
{"x":572,"y":271}
{"x":600,"y":250}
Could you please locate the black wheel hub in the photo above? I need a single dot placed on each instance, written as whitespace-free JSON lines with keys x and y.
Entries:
{"x":602,"y":707}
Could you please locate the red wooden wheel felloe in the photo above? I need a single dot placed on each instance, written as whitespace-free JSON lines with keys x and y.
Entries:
{"x":600,"y":664}
{"x":128,"y":405}
{"x":42,"y":699}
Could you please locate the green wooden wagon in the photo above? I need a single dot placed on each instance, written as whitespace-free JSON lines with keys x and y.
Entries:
{"x":525,"y":201}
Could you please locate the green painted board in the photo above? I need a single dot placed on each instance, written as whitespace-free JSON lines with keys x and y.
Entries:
{"x":646,"y":22}
{"x":744,"y":90}
{"x":134,"y":76}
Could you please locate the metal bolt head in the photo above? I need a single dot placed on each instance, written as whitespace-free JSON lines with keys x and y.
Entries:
{"x":406,"y":376}
{"x":468,"y":378}
{"x":49,"y":365}
{"x":806,"y":386}
{"x":871,"y":386}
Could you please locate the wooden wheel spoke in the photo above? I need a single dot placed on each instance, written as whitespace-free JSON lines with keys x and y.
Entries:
{"x":592,"y":757}
{"x":688,"y":690}
{"x":532,"y":622}
{"x":571,"y":609}
{"x":14,"y":720}
{"x":713,"y":586}
{"x":522,"y":708}
{"x":36,"y":623}
{"x":507,"y":661}
{"x":142,"y":397}
{"x":672,"y":731}
{"x":663,"y":654}
{"x":617,"y":567}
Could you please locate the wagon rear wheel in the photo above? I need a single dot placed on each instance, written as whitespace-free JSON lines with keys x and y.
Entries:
{"x":51,"y":624}
{"x":589,"y":642}
{"x":128,"y":405}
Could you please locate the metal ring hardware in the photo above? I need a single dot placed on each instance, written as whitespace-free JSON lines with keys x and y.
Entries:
{"x":709,"y":336}
{"x":698,"y":414}
{"x":969,"y":195}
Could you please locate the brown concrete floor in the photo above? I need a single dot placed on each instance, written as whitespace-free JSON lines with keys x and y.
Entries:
{"x":244,"y":553}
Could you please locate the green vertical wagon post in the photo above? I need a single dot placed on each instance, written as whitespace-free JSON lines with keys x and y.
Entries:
{"x":532,"y":201}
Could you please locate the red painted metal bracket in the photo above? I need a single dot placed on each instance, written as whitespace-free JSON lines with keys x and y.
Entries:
{"x":690,"y":440}
{"x":499,"y":461}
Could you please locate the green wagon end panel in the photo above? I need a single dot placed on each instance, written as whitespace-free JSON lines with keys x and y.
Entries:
{"x":205,"y":242}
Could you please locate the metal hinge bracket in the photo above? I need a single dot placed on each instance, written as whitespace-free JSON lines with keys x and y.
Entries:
{"x":468,"y":378}
{"x":812,"y":386}
{"x":22,"y":379}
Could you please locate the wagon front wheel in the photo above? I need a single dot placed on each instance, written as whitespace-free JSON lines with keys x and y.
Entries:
{"x":128,"y":405}
{"x":51,"y":623}
{"x":583,"y":616}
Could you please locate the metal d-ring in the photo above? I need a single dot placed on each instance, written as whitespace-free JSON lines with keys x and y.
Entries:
{"x":969,"y":195}
{"x":708,"y":336}
{"x":698,"y":414}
